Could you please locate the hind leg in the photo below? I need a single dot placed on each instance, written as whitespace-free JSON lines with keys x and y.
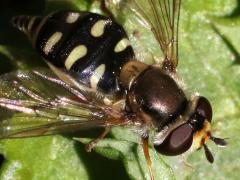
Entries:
{"x":94,"y":142}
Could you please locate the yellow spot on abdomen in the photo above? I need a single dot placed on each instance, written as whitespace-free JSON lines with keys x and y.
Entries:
{"x":52,"y":41}
{"x":72,"y":17}
{"x":97,"y":29}
{"x":97,"y":75}
{"x":121,"y":45}
{"x":77,"y":53}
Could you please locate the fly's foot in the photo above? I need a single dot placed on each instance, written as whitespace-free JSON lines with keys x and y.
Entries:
{"x":91,"y":145}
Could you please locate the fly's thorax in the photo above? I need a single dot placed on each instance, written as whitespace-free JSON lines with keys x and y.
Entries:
{"x":157,"y":95}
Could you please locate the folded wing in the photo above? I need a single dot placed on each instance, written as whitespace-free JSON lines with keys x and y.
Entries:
{"x":38,"y":103}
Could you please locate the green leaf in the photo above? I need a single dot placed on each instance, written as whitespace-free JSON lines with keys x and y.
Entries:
{"x":41,"y":158}
{"x":209,"y":64}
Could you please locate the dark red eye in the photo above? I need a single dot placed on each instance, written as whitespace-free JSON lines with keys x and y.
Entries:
{"x":204,"y":108}
{"x":177,"y":142}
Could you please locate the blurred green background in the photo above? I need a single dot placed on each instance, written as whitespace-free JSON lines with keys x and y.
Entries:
{"x":209,"y":64}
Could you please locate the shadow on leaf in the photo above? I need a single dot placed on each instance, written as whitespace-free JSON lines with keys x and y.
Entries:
{"x":236,"y":54}
{"x":100,"y":167}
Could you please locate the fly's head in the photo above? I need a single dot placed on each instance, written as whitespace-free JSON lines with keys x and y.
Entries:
{"x":192,"y":129}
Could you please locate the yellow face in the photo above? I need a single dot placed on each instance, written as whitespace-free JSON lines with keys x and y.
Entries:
{"x":202,"y":136}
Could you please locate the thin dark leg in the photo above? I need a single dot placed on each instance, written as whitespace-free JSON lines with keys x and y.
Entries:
{"x":94,"y":142}
{"x":106,"y":10}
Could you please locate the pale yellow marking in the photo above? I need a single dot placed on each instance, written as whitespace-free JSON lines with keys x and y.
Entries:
{"x":77,"y":53}
{"x":97,"y":75}
{"x":201,"y":136}
{"x":97,"y":29}
{"x":30,"y":24}
{"x":121,"y":45}
{"x":72,"y":17}
{"x":52,"y":41}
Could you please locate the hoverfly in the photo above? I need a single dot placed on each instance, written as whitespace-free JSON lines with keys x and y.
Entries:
{"x":99,"y":82}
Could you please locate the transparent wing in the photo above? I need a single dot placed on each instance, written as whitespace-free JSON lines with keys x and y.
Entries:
{"x":162,"y":18}
{"x":38,"y":103}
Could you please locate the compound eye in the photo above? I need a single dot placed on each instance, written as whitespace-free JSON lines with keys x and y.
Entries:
{"x":177,"y":142}
{"x":204,"y":108}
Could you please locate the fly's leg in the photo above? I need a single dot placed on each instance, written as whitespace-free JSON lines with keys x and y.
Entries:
{"x":104,"y":8}
{"x":94,"y":142}
{"x":185,"y":163}
{"x":147,"y":156}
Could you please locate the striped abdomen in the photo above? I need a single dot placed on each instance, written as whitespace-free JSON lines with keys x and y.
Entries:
{"x":92,"y":46}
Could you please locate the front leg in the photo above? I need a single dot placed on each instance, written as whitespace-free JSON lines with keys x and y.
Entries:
{"x":147,"y":156}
